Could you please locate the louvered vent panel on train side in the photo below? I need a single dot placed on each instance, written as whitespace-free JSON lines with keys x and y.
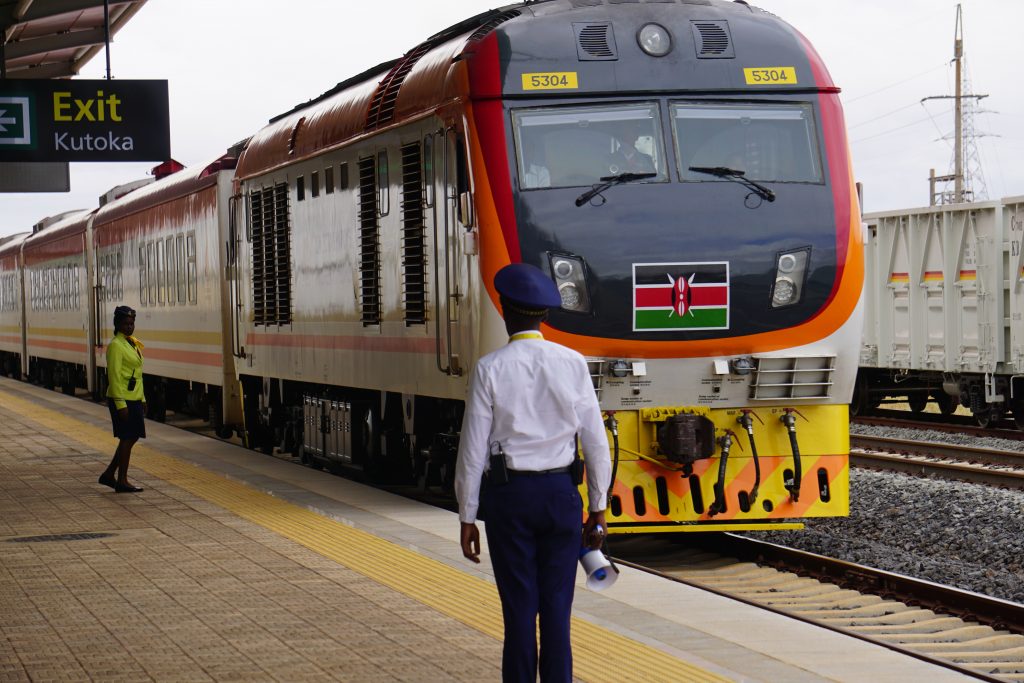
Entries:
{"x":369,"y":243}
{"x":270,"y":228}
{"x":414,"y":258}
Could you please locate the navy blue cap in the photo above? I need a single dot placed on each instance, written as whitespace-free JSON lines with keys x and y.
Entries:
{"x":528,"y":286}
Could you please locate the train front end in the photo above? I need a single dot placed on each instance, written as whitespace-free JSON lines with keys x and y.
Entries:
{"x":682,"y":172}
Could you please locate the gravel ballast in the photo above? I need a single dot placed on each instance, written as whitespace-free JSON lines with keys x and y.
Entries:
{"x":965,"y":535}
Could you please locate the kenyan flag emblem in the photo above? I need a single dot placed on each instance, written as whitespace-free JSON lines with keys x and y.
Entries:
{"x":681,"y":296}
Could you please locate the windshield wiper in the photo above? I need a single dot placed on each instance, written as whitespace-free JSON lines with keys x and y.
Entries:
{"x":608,"y":181}
{"x":737,"y":176}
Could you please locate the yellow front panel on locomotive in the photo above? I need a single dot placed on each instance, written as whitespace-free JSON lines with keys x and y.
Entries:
{"x":653,"y":493}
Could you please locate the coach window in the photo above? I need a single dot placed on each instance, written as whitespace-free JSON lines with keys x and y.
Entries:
{"x":142,"y":275}
{"x":329,"y":180}
{"x":75,"y":288}
{"x":171,"y":269}
{"x":314,"y":184}
{"x":383,"y":189}
{"x":161,"y":271}
{"x":120,"y":276}
{"x":191,"y":244}
{"x":343,"y":176}
{"x":428,"y":169}
{"x":767,"y":142}
{"x":154,"y":276}
{"x":300,"y":188}
{"x":181,"y":269}
{"x":576,"y":147}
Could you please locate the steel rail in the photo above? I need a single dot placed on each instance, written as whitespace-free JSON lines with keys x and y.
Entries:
{"x":955,"y":424}
{"x":947,"y":461}
{"x":966,"y":605}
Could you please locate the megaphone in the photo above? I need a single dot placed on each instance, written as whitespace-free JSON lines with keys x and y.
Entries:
{"x":600,"y":572}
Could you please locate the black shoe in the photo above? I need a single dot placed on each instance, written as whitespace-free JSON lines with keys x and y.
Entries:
{"x":108,"y":481}
{"x":127,"y":488}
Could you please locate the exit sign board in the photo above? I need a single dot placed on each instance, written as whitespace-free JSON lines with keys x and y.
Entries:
{"x":83,"y":120}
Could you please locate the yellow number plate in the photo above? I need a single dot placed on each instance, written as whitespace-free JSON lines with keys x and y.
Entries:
{"x":555,"y":80}
{"x":771,"y":75}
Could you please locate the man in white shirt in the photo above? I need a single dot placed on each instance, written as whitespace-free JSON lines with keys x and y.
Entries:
{"x":527,"y":403}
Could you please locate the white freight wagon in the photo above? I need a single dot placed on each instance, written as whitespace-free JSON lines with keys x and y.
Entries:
{"x":944,"y":305}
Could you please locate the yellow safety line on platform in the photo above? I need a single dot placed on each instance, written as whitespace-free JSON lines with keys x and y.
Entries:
{"x":599,"y":654}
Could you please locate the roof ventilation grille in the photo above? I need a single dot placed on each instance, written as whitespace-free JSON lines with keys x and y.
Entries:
{"x":595,"y":42}
{"x":382,"y":107}
{"x":493,"y":24}
{"x":712,"y":39}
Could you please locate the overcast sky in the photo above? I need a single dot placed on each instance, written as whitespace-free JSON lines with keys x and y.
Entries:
{"x":231,"y":70}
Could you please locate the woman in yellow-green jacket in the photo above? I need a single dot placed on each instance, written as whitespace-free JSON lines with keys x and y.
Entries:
{"x":127,"y":402}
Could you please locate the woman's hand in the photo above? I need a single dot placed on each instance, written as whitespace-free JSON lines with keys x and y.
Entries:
{"x":122,"y":413}
{"x":145,"y":408}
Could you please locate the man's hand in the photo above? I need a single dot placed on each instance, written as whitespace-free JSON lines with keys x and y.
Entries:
{"x":145,"y":408}
{"x":471,"y":542}
{"x":594,"y":530}
{"x":122,"y":413}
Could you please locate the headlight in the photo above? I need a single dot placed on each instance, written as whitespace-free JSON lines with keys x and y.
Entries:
{"x":655,"y":40}
{"x":569,"y":273}
{"x":785,"y":292}
{"x":790,"y":270}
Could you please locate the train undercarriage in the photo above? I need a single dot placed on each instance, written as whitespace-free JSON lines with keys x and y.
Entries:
{"x":677,"y":468}
{"x":989,"y":397}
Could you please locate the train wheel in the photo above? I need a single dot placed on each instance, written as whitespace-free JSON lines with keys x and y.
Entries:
{"x":986,"y":419}
{"x":217,"y":419}
{"x":917,"y":401}
{"x":945,"y":402}
{"x":1017,"y":407}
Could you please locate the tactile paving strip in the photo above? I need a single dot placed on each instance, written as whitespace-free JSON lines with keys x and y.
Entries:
{"x":599,"y":654}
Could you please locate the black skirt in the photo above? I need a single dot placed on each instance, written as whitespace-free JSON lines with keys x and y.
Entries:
{"x":134,"y":426}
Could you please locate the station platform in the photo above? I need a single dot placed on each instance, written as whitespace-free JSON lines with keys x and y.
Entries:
{"x":236,"y":566}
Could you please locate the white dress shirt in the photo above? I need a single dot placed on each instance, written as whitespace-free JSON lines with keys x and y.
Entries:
{"x":533,"y":397}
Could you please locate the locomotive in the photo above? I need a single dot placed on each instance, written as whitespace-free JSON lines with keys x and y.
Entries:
{"x":679,"y":168}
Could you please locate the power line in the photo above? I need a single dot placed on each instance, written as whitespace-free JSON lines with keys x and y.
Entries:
{"x":891,"y":130}
{"x":893,"y":85}
{"x":880,"y":116}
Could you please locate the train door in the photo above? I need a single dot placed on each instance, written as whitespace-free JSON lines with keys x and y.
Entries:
{"x":450,"y":210}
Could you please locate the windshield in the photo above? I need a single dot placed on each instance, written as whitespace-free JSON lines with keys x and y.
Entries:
{"x":775,"y":143}
{"x":572,"y":147}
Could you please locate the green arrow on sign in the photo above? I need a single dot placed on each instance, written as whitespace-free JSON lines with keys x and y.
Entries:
{"x":15,"y":119}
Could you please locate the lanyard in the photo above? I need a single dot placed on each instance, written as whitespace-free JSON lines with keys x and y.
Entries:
{"x":525,"y":335}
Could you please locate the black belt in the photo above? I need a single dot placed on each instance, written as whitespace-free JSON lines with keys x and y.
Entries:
{"x":537,"y":473}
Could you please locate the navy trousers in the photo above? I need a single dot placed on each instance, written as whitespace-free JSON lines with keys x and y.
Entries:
{"x":533,"y":526}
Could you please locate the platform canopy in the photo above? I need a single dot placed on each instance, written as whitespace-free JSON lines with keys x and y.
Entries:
{"x":46,"y":39}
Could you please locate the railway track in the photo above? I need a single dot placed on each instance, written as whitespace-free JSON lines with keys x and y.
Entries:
{"x":954,"y":424}
{"x":964,"y":463}
{"x":973,"y":634}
